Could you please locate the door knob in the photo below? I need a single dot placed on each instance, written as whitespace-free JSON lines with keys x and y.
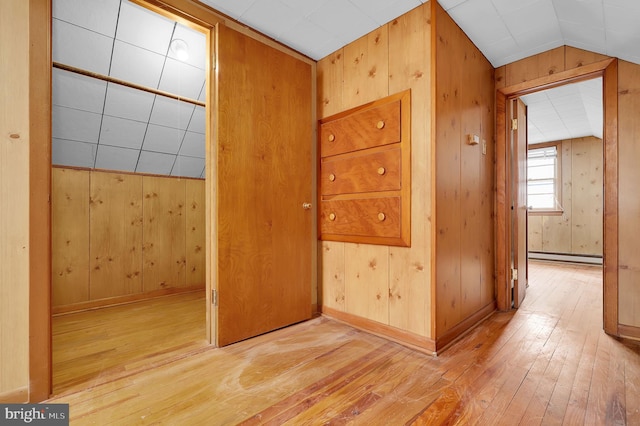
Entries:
{"x":306,"y":206}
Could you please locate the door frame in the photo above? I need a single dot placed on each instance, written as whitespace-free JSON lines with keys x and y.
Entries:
{"x":608,"y":70}
{"x":40,"y":63}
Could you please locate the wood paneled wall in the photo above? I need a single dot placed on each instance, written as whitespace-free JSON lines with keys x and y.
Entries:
{"x":14,"y":200}
{"x":566,"y":58}
{"x":118,"y":235}
{"x":393,"y":285}
{"x":464,"y":178}
{"x":388,"y":285}
{"x":579,"y":229}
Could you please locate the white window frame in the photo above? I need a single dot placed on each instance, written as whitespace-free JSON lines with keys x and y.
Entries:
{"x":549,"y":151}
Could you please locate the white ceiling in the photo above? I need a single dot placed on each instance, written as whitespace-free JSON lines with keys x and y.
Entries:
{"x":504,"y":30}
{"x":109,"y":126}
{"x":103,"y":125}
{"x":565,"y":112}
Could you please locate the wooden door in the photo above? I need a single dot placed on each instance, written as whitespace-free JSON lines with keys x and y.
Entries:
{"x":264,"y":168}
{"x":519,"y":201}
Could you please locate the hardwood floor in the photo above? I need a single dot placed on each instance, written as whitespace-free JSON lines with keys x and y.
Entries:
{"x":93,"y":346}
{"x":548,"y":363}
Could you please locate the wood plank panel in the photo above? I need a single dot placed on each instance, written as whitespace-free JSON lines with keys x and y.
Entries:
{"x":366,"y":68}
{"x":629,"y":202}
{"x":556,"y":230}
{"x":450,"y":66}
{"x":195,"y":232}
{"x":332,"y":274}
{"x":330,"y":71}
{"x":329,"y":74}
{"x":70,"y":236}
{"x":410,"y":268}
{"x":586,"y":200}
{"x":163,"y":218}
{"x":15,"y":142}
{"x":116,"y":235}
{"x":575,"y":57}
{"x":540,"y":65}
{"x":534,"y":232}
{"x":470,"y":179}
{"x":366,"y":281}
{"x":487,"y":186}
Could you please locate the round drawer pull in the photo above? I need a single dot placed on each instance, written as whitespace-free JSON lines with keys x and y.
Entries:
{"x":332,"y":137}
{"x":332,"y":177}
{"x":380,"y":125}
{"x":381,"y":171}
{"x":381,"y":217}
{"x":332,"y":216}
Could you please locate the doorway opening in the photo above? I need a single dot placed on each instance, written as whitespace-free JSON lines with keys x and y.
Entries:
{"x":564,"y":178}
{"x":129,"y":125}
{"x":506,"y":202}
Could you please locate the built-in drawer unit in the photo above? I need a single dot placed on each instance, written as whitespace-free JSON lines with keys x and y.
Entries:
{"x":365,"y":173}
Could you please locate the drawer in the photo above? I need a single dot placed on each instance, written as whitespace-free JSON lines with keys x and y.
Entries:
{"x":368,"y":128}
{"x":373,"y":217}
{"x":379,"y":171}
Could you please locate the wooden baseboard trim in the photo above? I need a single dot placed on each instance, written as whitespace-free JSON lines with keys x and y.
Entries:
{"x":17,"y":396}
{"x":629,"y":331}
{"x":123,"y":300}
{"x":405,"y":338}
{"x":464,"y":327}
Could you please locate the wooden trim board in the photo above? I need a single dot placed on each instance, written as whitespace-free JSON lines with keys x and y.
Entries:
{"x":411,"y":340}
{"x":121,"y":300}
{"x":40,"y":371}
{"x":17,"y":396}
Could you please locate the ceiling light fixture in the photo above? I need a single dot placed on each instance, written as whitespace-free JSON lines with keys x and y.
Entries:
{"x":180,"y":49}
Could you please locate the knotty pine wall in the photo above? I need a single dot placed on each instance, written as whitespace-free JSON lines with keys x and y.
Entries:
{"x":566,"y":58}
{"x":14,"y":201}
{"x":394,"y":285}
{"x":465,"y":284}
{"x":118,"y":236}
{"x":388,"y":285}
{"x":579,"y":229}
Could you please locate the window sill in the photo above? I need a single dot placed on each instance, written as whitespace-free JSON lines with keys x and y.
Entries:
{"x":546,"y":212}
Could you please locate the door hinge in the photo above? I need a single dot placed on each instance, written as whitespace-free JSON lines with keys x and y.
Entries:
{"x":214,"y":297}
{"x":514,"y":274}
{"x":514,"y":124}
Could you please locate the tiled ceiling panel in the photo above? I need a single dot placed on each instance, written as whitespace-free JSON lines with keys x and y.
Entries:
{"x":565,"y":112}
{"x":157,"y":29}
{"x":81,"y":48}
{"x":121,"y":132}
{"x":100,"y":16}
{"x":125,"y":102}
{"x":112,"y":126}
{"x":78,"y":91}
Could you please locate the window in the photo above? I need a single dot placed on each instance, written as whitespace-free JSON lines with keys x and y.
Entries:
{"x":543,"y":180}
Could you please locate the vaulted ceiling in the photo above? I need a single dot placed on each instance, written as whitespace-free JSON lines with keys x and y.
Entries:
{"x":106,"y":125}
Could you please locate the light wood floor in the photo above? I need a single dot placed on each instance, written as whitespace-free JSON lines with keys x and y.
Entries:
{"x":547,"y":363}
{"x":93,"y":346}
